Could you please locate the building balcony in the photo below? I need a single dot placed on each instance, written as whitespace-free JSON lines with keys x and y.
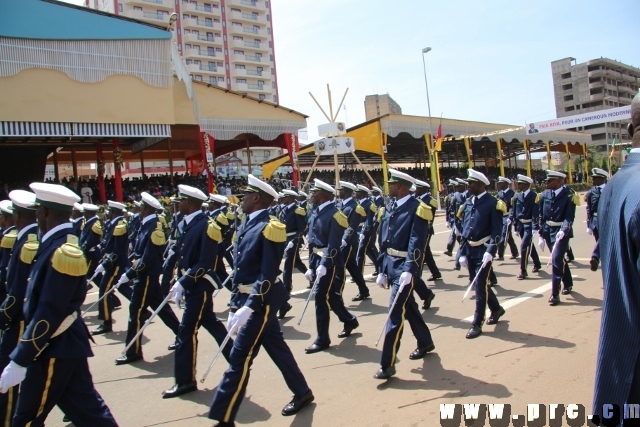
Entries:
{"x":251,"y":73}
{"x":595,"y":85}
{"x":199,"y":38}
{"x":248,"y":58}
{"x":151,"y":17}
{"x":201,"y":68}
{"x":250,"y":45}
{"x":630,"y":79}
{"x":627,"y":90}
{"x":203,"y":53}
{"x":248,"y":31}
{"x":167,"y":5}
{"x":250,"y":87}
{"x":248,"y":4}
{"x":199,"y":9}
{"x":251,"y":18}
{"x":199,"y":23}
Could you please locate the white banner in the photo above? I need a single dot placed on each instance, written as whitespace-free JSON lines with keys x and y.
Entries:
{"x":339,"y":145}
{"x":578,"y":120}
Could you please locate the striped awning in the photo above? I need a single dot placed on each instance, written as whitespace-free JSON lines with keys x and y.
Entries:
{"x":98,"y":130}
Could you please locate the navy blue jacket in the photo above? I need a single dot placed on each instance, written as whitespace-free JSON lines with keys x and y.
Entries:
{"x":147,"y":251}
{"x":91,"y":235}
{"x":593,"y":200}
{"x":57,"y":288}
{"x":525,"y":208}
{"x":8,"y":240}
{"x":116,"y":244}
{"x":326,"y":228}
{"x":561,"y":209}
{"x":506,"y":196}
{"x":479,"y":221}
{"x":355,"y":215}
{"x":134,"y":227}
{"x":78,"y":226}
{"x":370,"y":210}
{"x":431,"y":202}
{"x":295,"y":219}
{"x":403,"y":229}
{"x":196,"y":252}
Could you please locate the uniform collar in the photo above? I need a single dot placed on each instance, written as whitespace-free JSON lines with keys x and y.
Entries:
{"x":92,"y":218}
{"x":291,"y":204}
{"x":148,"y":218}
{"x":558,"y":191}
{"x":55,"y":230}
{"x":347,"y":200}
{"x":525,"y":193}
{"x":188,"y":218}
{"x":601,"y":187}
{"x":252,"y":215}
{"x":26,"y":230}
{"x":403,"y":200}
{"x":322,"y":206}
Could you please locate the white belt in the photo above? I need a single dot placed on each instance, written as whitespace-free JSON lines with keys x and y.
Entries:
{"x":594,"y":214}
{"x":245,"y":289}
{"x":319,"y":251}
{"x":554,"y":224}
{"x":293,"y":233}
{"x":525,"y":221}
{"x":66,"y":324}
{"x":479,"y":242}
{"x":396,"y":253}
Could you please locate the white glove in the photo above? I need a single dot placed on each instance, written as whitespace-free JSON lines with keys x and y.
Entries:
{"x":560,"y":235}
{"x":12,"y":375}
{"x":170,"y":253}
{"x":541,"y":243}
{"x":463,"y":261}
{"x":130,"y":247}
{"x":99,"y":269}
{"x":321,"y":271}
{"x":382,"y":280}
{"x":455,"y":230}
{"x":289,"y":246}
{"x":360,"y":237}
{"x":589,"y":232}
{"x":405,"y":279}
{"x":486,"y":259}
{"x":509,"y":222}
{"x":230,"y":321}
{"x":121,"y":280}
{"x":344,"y":243}
{"x":309,"y":274}
{"x":239,"y":319}
{"x":177,"y":293}
{"x":448,"y":225}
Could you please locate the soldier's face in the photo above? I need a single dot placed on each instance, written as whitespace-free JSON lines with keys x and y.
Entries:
{"x":503,"y":185}
{"x":522,"y":186}
{"x":598,"y":180}
{"x":393,"y":189}
{"x":183,"y":206}
{"x":553,"y":184}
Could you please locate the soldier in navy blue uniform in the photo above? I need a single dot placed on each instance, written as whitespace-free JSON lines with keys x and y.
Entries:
{"x":423,"y":194}
{"x":592,"y":199}
{"x":294,"y":218}
{"x":326,"y":265}
{"x":403,"y":229}
{"x":50,"y":360}
{"x":458,"y":199}
{"x":557,"y":213}
{"x":194,"y":284}
{"x":11,"y":316}
{"x":7,"y":240}
{"x":481,"y":231}
{"x":218,"y":214}
{"x":506,"y":194}
{"x":77,"y":219}
{"x":134,"y":224}
{"x":170,"y":258}
{"x":228,"y":236}
{"x":258,"y":295}
{"x":365,"y":237}
{"x":524,"y":214}
{"x":349,"y":248}
{"x":91,"y":237}
{"x":145,"y":273}
{"x":115,"y":262}
{"x":372,"y":250}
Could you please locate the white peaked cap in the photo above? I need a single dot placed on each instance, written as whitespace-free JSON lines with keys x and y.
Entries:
{"x":363,"y":188}
{"x":257,"y":186}
{"x":462,"y":181}
{"x":474,"y":175}
{"x":90,"y":207}
{"x":347,"y":185}
{"x":6,"y":207}
{"x":22,"y":199}
{"x":189,"y":192}
{"x":422,"y":184}
{"x":504,"y":179}
{"x":54,"y":196}
{"x":116,"y":205}
{"x":554,"y":174}
{"x":78,"y":207}
{"x":397,"y":176}
{"x":600,"y":172}
{"x":218,"y":198}
{"x":524,"y":179}
{"x":303,"y":194}
{"x":320,"y":185}
{"x":289,"y":193}
{"x":376,"y":189}
{"x":150,"y":200}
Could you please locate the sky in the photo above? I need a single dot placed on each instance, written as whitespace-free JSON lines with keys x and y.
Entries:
{"x":490,"y":60}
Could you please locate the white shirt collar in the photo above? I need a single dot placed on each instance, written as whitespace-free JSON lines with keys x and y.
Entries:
{"x":188,"y":218}
{"x":480,"y":195}
{"x":345,"y":201}
{"x":148,"y":218}
{"x":116,"y":219}
{"x":602,"y":186}
{"x":254,"y":214}
{"x":291,"y":204}
{"x":25,"y":230}
{"x":403,"y":200}
{"x":56,"y":229}
{"x":324,"y":204}
{"x":558,"y":190}
{"x":525,"y":193}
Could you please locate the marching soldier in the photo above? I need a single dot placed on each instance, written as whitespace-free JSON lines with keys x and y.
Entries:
{"x":7,"y":240}
{"x":145,"y":273}
{"x":170,"y":258}
{"x":217,"y":213}
{"x":365,"y":234}
{"x":228,"y":236}
{"x":134,"y":224}
{"x":557,"y":213}
{"x":50,"y":360}
{"x":196,"y":250}
{"x":257,"y":298}
{"x":423,"y":194}
{"x":524,"y":216}
{"x":480,"y":232}
{"x":349,"y":248}
{"x":77,"y":218}
{"x":115,"y":262}
{"x":403,"y":231}
{"x":91,"y":236}
{"x":326,"y":265}
{"x":592,"y":198}
{"x":506,"y":194}
{"x":11,"y":316}
{"x":294,"y":218}
{"x":372,"y":252}
{"x":458,"y":199}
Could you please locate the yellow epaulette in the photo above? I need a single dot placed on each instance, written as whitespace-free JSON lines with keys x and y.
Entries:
{"x":380,"y":214}
{"x":97,"y":228}
{"x":82,"y":225}
{"x":274,"y":218}
{"x":69,"y":259}
{"x":29,"y":249}
{"x":301,"y":211}
{"x":222,"y":219}
{"x":275,"y":231}
{"x":9,"y":239}
{"x":341,"y":219}
{"x":424,"y":212}
{"x":121,"y":228}
{"x":162,"y":220}
{"x":537,"y":199}
{"x":214,"y":232}
{"x":373,"y":208}
{"x":575,"y":199}
{"x":157,"y":237}
{"x":360,"y":210}
{"x":460,"y":211}
{"x":433,"y":203}
{"x":230,"y":215}
{"x":501,"y":206}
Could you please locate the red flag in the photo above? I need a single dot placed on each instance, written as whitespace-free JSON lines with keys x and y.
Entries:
{"x":439,"y":138}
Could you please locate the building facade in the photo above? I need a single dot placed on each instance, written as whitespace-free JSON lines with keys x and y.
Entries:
{"x":598,"y":84}
{"x":228,"y":43}
{"x":379,"y":105}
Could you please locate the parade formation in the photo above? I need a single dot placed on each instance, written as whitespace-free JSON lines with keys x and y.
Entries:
{"x":54,"y":249}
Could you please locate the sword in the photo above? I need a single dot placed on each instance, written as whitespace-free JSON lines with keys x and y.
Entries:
{"x":93,"y":277}
{"x":474,"y":281}
{"x":147,"y":323}
{"x":384,"y":326}
{"x":306,"y":304}
{"x":222,"y":346}
{"x":100,"y":299}
{"x":229,"y":277}
{"x":553,"y":248}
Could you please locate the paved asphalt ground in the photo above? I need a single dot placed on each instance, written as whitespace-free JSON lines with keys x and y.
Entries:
{"x":536,"y":354}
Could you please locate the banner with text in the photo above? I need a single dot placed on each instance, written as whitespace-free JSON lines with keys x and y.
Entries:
{"x":579,"y":120}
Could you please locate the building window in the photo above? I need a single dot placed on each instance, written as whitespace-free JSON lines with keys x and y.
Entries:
{"x":244,"y":81}
{"x":240,"y":67}
{"x":198,"y":78}
{"x":221,"y":79}
{"x":137,"y":8}
{"x":119,"y":7}
{"x":273,"y":85}
{"x":208,"y":22}
{"x":261,"y":97}
{"x":238,"y":52}
{"x":268,"y":17}
{"x":236,"y":24}
{"x":207,"y":7}
{"x":569,"y":108}
{"x":567,"y":86}
{"x":212,"y":66}
{"x":233,"y":9}
{"x":218,"y":49}
{"x":185,"y":16}
{"x":213,"y":80}
{"x":210,"y":36}
{"x":238,"y":38}
{"x":568,"y":98}
{"x":211,"y":51}
{"x":275,"y":99}
{"x":216,"y":20}
{"x":566,"y":75}
{"x":219,"y":64}
{"x":189,"y":61}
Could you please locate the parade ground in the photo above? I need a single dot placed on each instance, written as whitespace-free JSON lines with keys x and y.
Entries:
{"x":535,"y":354}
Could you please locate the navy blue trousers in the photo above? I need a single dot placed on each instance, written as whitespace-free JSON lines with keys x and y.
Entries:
{"x":596,"y":248}
{"x":560,"y":272}
{"x":349,"y":253}
{"x":292,"y":260}
{"x":484,"y":294}
{"x":329,"y":298}
{"x":66,"y":383}
{"x":8,"y":343}
{"x":198,"y":311}
{"x":404,"y":308}
{"x":528,"y":248}
{"x":506,"y":231}
{"x":168,"y":269}
{"x":262,"y":329}
{"x":105,"y":308}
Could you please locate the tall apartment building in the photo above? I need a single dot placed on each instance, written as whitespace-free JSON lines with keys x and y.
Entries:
{"x":228,"y":43}
{"x":595,"y":85}
{"x":379,"y":105}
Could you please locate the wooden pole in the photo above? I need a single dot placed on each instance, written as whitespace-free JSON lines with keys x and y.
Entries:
{"x":340,"y":106}
{"x":248,"y":155}
{"x":74,"y":162}
{"x":142,"y":163}
{"x":55,"y":166}
{"x":457,"y":157}
{"x":314,"y":100}
{"x":313,"y":167}
{"x":365,"y":171}
{"x":337,"y":168}
{"x":170,"y":161}
{"x":330,"y":104}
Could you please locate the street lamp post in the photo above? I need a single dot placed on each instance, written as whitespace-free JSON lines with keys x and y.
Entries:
{"x":432,"y":147}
